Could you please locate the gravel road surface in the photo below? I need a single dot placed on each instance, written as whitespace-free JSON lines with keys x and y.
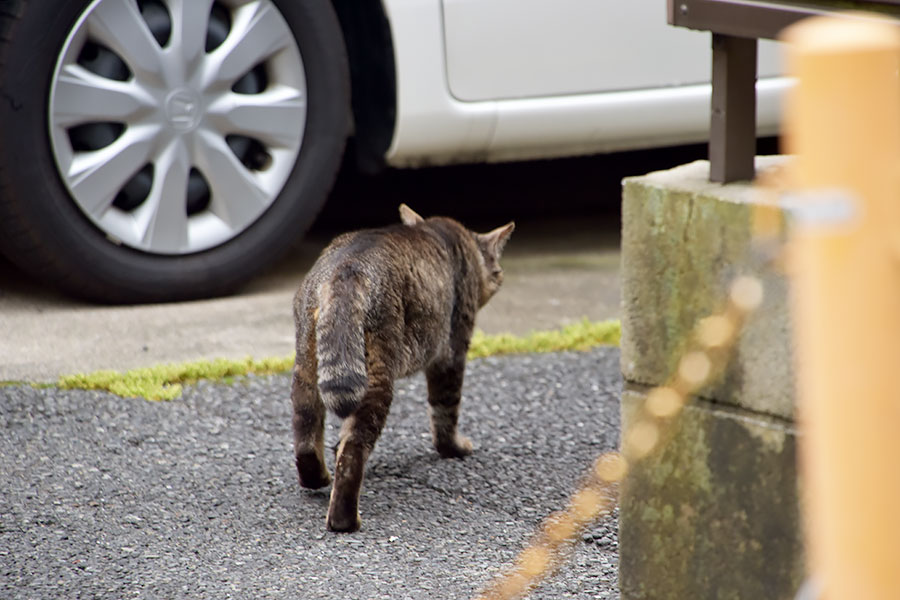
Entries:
{"x":106,"y":497}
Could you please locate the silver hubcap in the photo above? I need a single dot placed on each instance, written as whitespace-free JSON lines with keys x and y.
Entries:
{"x":176,"y":123}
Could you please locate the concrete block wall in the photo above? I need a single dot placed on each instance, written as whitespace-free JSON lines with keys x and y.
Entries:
{"x":714,"y":513}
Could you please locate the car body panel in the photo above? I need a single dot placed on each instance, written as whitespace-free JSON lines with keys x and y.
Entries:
{"x":431,"y":126}
{"x":502,"y":49}
{"x":508,"y":105}
{"x":628,"y":120}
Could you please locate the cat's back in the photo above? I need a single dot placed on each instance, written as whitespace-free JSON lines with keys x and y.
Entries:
{"x":383,"y":250}
{"x":388,"y":261}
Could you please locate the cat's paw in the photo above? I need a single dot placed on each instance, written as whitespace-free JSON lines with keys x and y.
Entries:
{"x":343,"y":523}
{"x":460,"y":447}
{"x":312,"y":473}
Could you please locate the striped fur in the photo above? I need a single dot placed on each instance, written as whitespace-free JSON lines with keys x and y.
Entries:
{"x":380,"y":304}
{"x":340,"y":342}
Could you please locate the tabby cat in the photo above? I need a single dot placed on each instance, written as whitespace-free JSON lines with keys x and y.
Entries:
{"x":380,"y":304}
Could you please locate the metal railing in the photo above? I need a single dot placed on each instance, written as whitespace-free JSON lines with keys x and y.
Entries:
{"x":736,"y":25}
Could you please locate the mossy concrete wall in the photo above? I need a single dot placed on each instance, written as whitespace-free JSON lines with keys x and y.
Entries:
{"x":714,"y":514}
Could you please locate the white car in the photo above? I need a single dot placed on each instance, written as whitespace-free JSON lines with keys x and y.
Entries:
{"x":156,"y":150}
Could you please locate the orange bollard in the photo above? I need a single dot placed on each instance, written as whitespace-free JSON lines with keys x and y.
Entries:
{"x":843,"y":123}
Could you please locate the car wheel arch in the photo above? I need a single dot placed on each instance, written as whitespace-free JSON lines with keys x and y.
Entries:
{"x":369,"y":43}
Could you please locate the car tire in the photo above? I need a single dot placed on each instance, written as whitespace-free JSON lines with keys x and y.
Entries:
{"x":50,"y":225}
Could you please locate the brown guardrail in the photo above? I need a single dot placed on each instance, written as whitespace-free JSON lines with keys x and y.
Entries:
{"x":736,"y":25}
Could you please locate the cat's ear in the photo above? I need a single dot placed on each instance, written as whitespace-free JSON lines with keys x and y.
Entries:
{"x":409,"y":216}
{"x":495,"y":240}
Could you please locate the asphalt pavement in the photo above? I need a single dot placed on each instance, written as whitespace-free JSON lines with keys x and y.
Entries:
{"x":108,"y":497}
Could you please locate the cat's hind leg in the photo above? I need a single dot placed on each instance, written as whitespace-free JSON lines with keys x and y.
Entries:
{"x":445,"y":382}
{"x":309,"y":426}
{"x":359,"y":433}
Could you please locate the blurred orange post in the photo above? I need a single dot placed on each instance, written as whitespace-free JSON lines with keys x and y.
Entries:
{"x":843,"y":123}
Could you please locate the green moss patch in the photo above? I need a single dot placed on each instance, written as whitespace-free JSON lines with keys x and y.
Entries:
{"x":582,"y":335}
{"x":164,"y":382}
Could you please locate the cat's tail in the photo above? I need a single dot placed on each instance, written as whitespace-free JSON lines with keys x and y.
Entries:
{"x":340,"y":342}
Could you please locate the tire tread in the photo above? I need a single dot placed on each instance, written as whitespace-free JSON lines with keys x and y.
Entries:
{"x":17,"y":243}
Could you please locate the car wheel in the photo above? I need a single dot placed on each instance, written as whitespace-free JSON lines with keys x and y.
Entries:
{"x":157,"y":150}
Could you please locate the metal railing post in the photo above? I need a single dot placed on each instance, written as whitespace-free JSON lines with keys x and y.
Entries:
{"x":732,"y":128}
